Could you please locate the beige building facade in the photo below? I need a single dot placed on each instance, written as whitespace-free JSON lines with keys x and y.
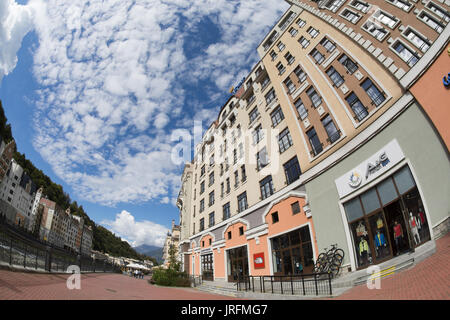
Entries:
{"x":319,"y":146}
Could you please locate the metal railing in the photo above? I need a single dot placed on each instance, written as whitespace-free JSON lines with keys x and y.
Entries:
{"x":299,"y":284}
{"x":20,"y":249}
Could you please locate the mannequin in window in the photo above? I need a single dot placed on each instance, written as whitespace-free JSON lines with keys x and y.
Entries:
{"x":363,"y":250}
{"x":414,"y":228}
{"x":380,"y":242}
{"x":298,"y":268}
{"x":398,"y":236}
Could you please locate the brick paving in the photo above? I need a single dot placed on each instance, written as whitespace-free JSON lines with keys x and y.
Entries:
{"x":32,"y":286}
{"x":427,"y":280}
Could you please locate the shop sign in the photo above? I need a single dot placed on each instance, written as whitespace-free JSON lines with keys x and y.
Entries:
{"x":370,"y":169}
{"x":258,"y":260}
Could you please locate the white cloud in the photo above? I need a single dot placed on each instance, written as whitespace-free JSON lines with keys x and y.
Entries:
{"x":112,"y":76}
{"x":15,"y":22}
{"x":135,"y":232}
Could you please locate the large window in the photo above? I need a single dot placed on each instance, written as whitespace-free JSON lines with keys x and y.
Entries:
{"x":315,"y":98}
{"x":284,"y":140}
{"x":270,"y":96}
{"x":226,"y":211}
{"x":303,"y":42}
{"x":431,"y":21}
{"x":292,"y":252}
{"x":211,"y":219}
{"x":317,"y":56}
{"x":418,"y":40}
{"x":316,"y":145}
{"x":242,"y":202}
{"x":258,"y":134}
{"x":277,"y":116}
{"x":348,"y":64}
{"x":327,"y":44}
{"x":289,"y":85}
{"x":335,"y":77}
{"x":405,"y":53}
{"x":372,"y":91}
{"x":313,"y":32}
{"x":375,"y":30}
{"x":202,"y":205}
{"x":266,"y":187}
{"x":330,"y":128}
{"x":211,"y":198}
{"x":358,"y":108}
{"x":292,"y":170}
{"x":300,"y":74}
{"x":253,"y":114}
{"x":202,"y":224}
{"x":303,"y":113}
{"x":385,"y":18}
{"x":262,"y":159}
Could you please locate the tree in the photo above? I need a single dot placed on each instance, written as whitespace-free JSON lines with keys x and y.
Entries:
{"x":174,"y":264}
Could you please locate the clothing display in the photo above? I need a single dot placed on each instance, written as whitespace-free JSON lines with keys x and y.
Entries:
{"x":398,"y":232}
{"x":363,"y":246}
{"x":414,"y":230}
{"x":379,"y":223}
{"x":361,"y":230}
{"x":380,"y":240}
{"x":422,"y":217}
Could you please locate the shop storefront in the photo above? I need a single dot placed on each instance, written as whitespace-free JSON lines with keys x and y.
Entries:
{"x":292,"y":252}
{"x":387,"y":218}
{"x":237,"y":259}
{"x":207,"y":266}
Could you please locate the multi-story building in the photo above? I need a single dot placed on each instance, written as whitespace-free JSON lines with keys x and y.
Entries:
{"x":86,"y":242}
{"x":6,"y":155}
{"x":328,"y":141}
{"x":172,"y":241}
{"x":17,"y":193}
{"x":184,"y":203}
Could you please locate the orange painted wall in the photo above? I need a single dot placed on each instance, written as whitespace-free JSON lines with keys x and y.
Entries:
{"x":219,"y":263}
{"x":258,"y":248}
{"x":434,"y":97}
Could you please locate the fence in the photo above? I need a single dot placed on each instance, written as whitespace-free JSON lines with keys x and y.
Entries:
{"x":20,"y":249}
{"x":301,"y":284}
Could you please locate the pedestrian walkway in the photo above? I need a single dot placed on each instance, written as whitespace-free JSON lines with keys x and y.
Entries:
{"x":35,"y":286}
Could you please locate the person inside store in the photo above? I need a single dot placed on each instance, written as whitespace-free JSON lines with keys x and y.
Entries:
{"x":398,"y":236}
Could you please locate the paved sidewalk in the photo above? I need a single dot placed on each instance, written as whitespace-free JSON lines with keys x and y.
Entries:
{"x":427,"y":280}
{"x":33,"y":286}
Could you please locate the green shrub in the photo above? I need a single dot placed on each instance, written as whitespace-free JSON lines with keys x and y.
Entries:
{"x":171,"y":278}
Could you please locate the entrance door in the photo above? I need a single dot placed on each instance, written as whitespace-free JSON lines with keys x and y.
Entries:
{"x":207,"y":267}
{"x":238,"y":263}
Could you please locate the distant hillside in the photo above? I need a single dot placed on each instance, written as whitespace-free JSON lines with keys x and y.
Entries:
{"x":103,"y":239}
{"x":151,"y":251}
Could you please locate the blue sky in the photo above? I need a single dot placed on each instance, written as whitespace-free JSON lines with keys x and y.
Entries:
{"x":94,"y":90}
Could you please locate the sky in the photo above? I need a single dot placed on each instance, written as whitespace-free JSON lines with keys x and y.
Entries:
{"x":95,"y":90}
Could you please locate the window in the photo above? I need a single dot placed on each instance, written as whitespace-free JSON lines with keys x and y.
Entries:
{"x":211,"y":159}
{"x":202,"y":170}
{"x":301,"y":23}
{"x":195,"y":194}
{"x":236,"y":178}
{"x":280,"y":68}
{"x":349,"y":15}
{"x":301,"y":109}
{"x":431,"y":21}
{"x":281,"y":46}
{"x":402,"y":4}
{"x":277,"y":116}
{"x":241,"y":231}
{"x":264,"y":83}
{"x":284,"y":140}
{"x":289,"y":58}
{"x":222,"y":189}
{"x":243,"y":173}
{"x":241,"y":150}
{"x":303,"y":42}
{"x":234,"y":156}
{"x":385,"y":18}
{"x":358,"y":108}
{"x":209,"y":241}
{"x":211,"y":179}
{"x":211,"y":198}
{"x":295,"y":207}
{"x":275,"y":217}
{"x":261,"y":159}
{"x":300,"y":74}
{"x":229,"y":235}
{"x":348,"y":64}
{"x":266,"y":187}
{"x":372,"y":91}
{"x":211,"y":219}
{"x":228,"y":185}
{"x":327,"y":44}
{"x":202,"y":187}
{"x":270,"y":40}
{"x":202,"y":205}
{"x":273,"y":55}
{"x":313,"y":32}
{"x":202,"y":224}
{"x":375,"y":30}
{"x":315,"y":98}
{"x":258,"y":134}
{"x":292,"y":170}
{"x":317,"y":56}
{"x":270,"y":96}
{"x":289,"y":85}
{"x":221,"y":169}
{"x":360,"y":5}
{"x":253,"y":114}
{"x":335,"y":77}
{"x":242,"y":202}
{"x":333,"y":5}
{"x":226,"y":211}
{"x":418,"y":40}
{"x":405,"y":53}
{"x":293,"y":31}
{"x":316,"y":145}
{"x":330,"y":128}
{"x":439,"y":11}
